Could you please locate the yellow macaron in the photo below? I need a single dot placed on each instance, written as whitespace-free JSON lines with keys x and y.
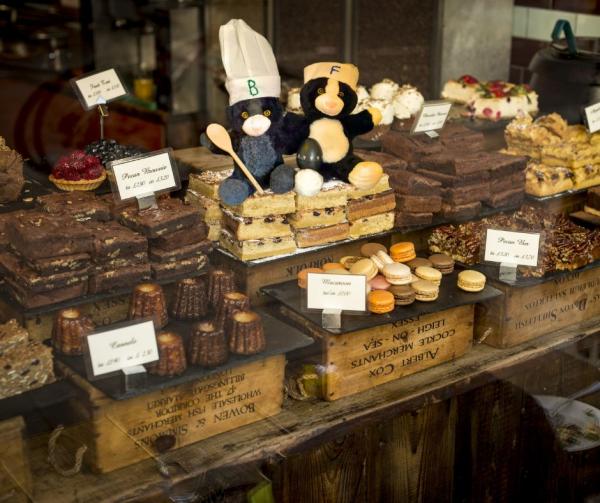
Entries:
{"x":471,"y":281}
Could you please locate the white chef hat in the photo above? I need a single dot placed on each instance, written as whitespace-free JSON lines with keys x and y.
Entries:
{"x":249,"y":63}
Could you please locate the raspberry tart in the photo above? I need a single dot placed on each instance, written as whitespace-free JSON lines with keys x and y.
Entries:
{"x":78,"y":171}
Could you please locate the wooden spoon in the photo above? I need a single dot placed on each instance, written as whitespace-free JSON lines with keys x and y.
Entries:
{"x":220,"y":137}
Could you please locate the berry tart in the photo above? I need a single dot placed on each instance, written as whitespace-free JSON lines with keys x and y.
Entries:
{"x":78,"y":171}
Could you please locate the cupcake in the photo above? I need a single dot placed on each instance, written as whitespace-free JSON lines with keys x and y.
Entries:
{"x":293,"y":101}
{"x":384,"y":90}
{"x":406,"y":103}
{"x":387,"y":117}
{"x":363,"y":97}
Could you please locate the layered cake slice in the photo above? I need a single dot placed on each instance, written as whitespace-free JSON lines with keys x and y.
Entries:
{"x":257,"y":248}
{"x":318,"y":217}
{"x":368,"y":206}
{"x":265,"y":205}
{"x":541,"y":180}
{"x":333,"y":194}
{"x":372,"y":225}
{"x":256,"y":227}
{"x":314,"y":236}
{"x":207,"y":183}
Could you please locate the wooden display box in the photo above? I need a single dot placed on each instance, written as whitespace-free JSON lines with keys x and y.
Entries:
{"x":253,"y":275}
{"x":358,"y":361}
{"x":121,"y":432}
{"x":15,"y":474}
{"x":527,"y":312}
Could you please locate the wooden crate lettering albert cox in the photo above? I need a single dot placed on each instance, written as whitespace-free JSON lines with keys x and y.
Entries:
{"x":121,"y":432}
{"x":524,"y":313}
{"x":361,"y":360}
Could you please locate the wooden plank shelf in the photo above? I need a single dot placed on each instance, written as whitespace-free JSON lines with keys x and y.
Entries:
{"x":301,"y":424}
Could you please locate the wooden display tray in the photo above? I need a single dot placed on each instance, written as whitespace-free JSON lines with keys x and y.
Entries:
{"x":532,"y":307}
{"x":15,"y":475}
{"x":371,"y":350}
{"x":104,"y":309}
{"x":180,"y":411}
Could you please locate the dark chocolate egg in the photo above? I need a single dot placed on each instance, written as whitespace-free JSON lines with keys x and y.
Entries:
{"x":310,"y":155}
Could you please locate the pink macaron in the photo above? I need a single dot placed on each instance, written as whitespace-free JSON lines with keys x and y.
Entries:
{"x":379,"y":283}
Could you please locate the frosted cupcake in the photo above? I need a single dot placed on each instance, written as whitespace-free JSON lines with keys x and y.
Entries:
{"x":407,"y":102}
{"x":293,"y":101}
{"x":362,"y":99}
{"x":387,"y":117}
{"x":384,"y":90}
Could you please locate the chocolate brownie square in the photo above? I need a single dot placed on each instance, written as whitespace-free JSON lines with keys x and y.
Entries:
{"x":418,"y":204}
{"x":170,"y":216}
{"x":405,"y":219}
{"x":409,"y":148}
{"x":203,"y":247}
{"x":507,"y":199}
{"x":168,"y":270}
{"x":388,"y":162}
{"x":195,"y":234}
{"x":38,"y":235}
{"x":501,"y":165}
{"x":81,"y":206}
{"x":454,"y":180}
{"x":5,"y":219}
{"x":120,"y":262}
{"x":32,"y":300}
{"x":466,"y":194}
{"x":460,"y":211}
{"x":112,"y":240}
{"x":118,"y":279}
{"x":407,"y":182}
{"x":64,"y":263}
{"x":11,"y":267}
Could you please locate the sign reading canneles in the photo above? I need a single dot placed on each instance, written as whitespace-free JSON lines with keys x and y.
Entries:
{"x":140,"y":176}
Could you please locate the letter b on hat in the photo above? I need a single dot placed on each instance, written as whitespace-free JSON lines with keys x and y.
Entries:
{"x":252,"y":89}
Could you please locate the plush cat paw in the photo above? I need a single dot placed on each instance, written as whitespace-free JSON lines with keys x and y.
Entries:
{"x":308,"y":182}
{"x":365,"y":175}
{"x":233,"y":192}
{"x":282,"y":179}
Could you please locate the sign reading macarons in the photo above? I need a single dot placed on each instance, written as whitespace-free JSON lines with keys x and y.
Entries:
{"x":346,"y":292}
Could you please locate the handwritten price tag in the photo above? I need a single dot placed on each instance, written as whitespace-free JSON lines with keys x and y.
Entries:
{"x":432,"y":117}
{"x":139,"y":176}
{"x":123,"y":347}
{"x":518,"y":248}
{"x":337,"y":291}
{"x":98,"y":88}
{"x":592,"y":117}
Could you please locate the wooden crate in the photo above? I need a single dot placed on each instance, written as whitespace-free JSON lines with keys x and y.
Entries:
{"x":121,"y":432}
{"x":524,"y":313}
{"x":252,"y":277}
{"x":15,"y":474}
{"x":361,"y":360}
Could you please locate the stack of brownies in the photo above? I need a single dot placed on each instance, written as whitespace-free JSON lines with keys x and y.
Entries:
{"x":463,"y":169}
{"x":259,"y":227}
{"x":176,"y":237}
{"x":203,"y":192}
{"x":49,"y":258}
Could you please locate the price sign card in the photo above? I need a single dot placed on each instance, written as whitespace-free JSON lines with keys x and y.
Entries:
{"x":592,"y":117}
{"x":346,"y":292}
{"x":144,"y":175}
{"x":120,"y":348}
{"x":507,"y":247}
{"x":98,"y":88}
{"x":432,"y":117}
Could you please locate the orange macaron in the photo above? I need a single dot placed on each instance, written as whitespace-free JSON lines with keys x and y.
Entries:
{"x":330,"y":266}
{"x":303,"y":276}
{"x":403,"y":252}
{"x":381,"y":301}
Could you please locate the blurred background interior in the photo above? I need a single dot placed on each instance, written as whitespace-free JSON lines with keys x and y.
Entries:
{"x":167,"y":52}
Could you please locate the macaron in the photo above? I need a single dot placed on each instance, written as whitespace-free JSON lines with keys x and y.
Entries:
{"x":379,"y":283}
{"x":414,"y":278}
{"x":330,"y":266}
{"x":384,"y":257}
{"x":425,"y":291}
{"x":380,"y":301}
{"x":403,"y":252}
{"x":369,"y":249}
{"x":377,"y":261}
{"x":404,"y":295}
{"x":349,"y":260}
{"x":397,"y":274}
{"x":366,"y":267}
{"x":429,"y":274}
{"x":418,"y":262}
{"x":303,"y":276}
{"x":442,"y":262}
{"x":471,"y":281}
